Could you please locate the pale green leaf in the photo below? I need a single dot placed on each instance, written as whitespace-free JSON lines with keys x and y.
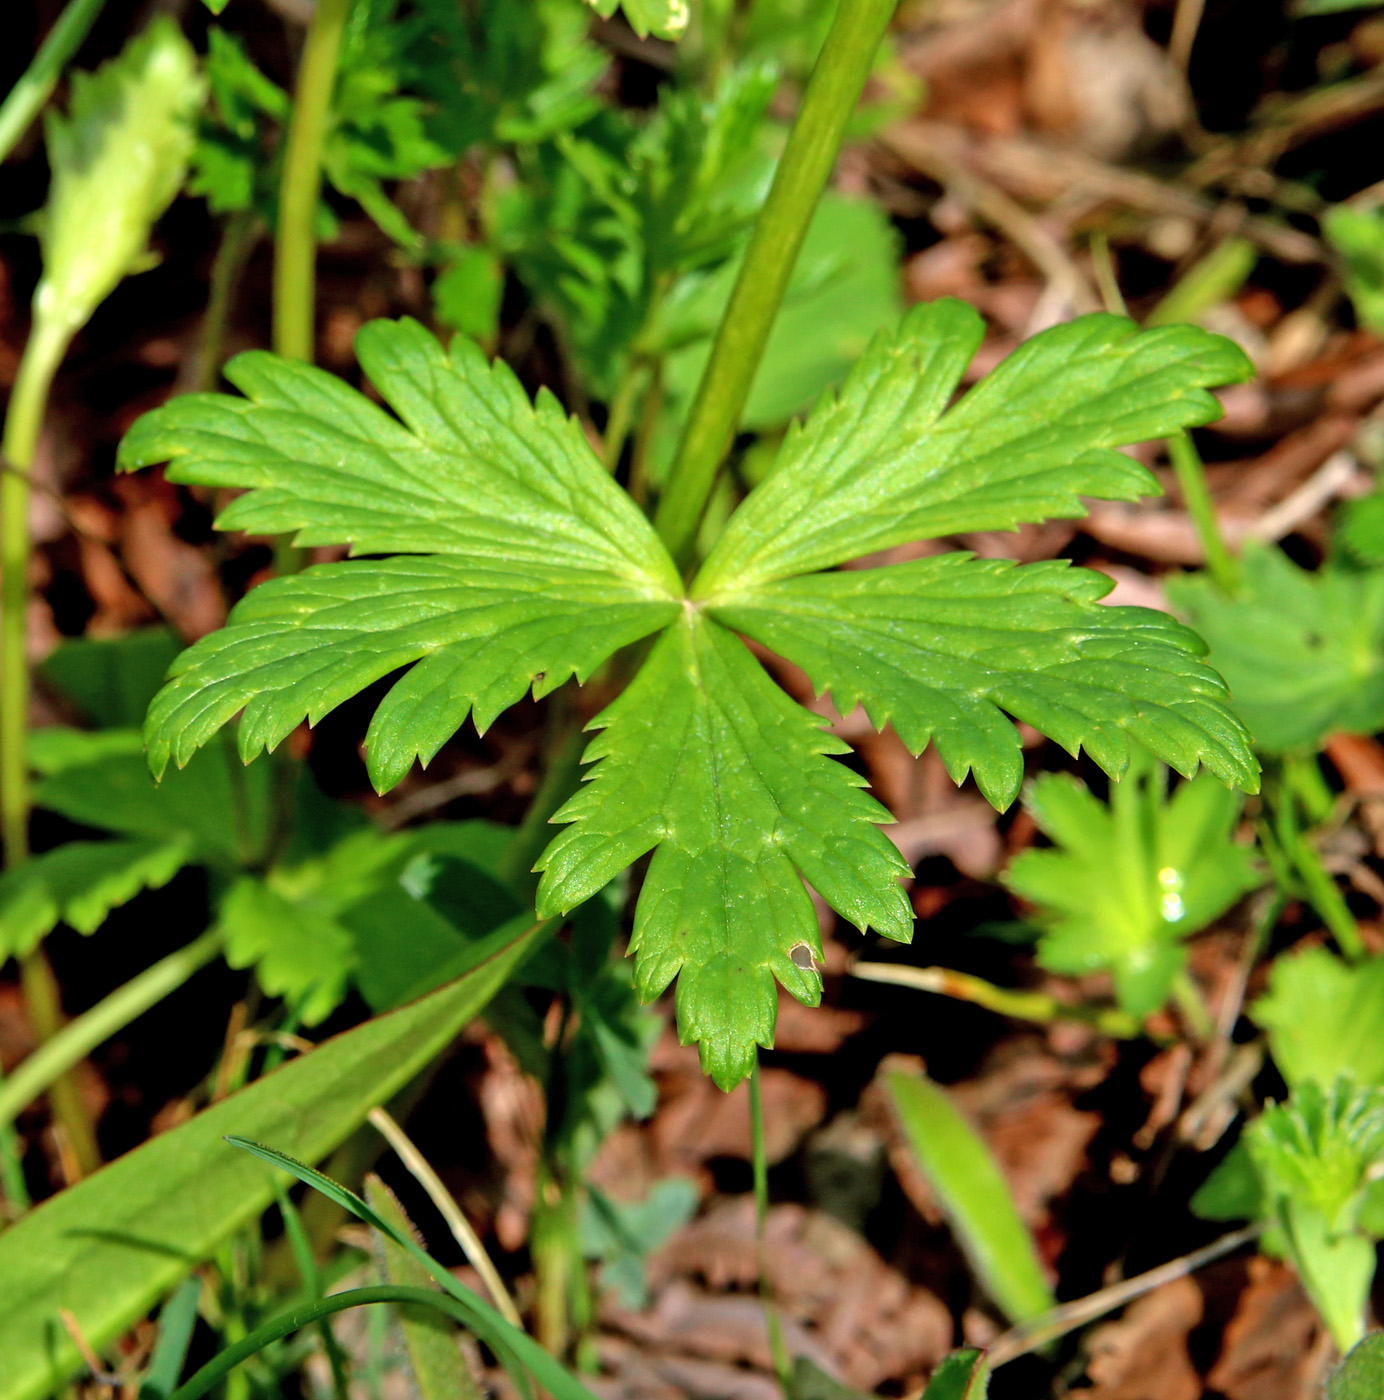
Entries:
{"x":118,"y":158}
{"x":109,"y":1247}
{"x":704,"y":758}
{"x":1302,"y":652}
{"x":973,"y":1195}
{"x":483,"y":632}
{"x":1126,"y":884}
{"x":883,"y":462}
{"x":79,"y":883}
{"x":664,"y":19}
{"x":944,"y":647}
{"x":1324,"y":1018}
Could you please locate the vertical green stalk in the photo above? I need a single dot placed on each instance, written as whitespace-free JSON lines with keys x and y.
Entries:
{"x":1191,"y":477}
{"x":783,"y":1365}
{"x":832,"y":94}
{"x":23,"y":421}
{"x":295,"y":256}
{"x":36,"y":84}
{"x":238,"y":240}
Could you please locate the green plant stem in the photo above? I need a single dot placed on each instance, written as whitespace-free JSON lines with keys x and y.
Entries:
{"x":295,"y":254}
{"x":12,"y":1181}
{"x":74,"y":1041}
{"x":1192,"y":1005}
{"x":1191,"y":478}
{"x":783,"y":1365}
{"x":237,"y":241}
{"x":621,"y":417}
{"x":221,"y":1366}
{"x":1041,"y":1008}
{"x":831,"y":97}
{"x":48,"y":341}
{"x":36,"y":83}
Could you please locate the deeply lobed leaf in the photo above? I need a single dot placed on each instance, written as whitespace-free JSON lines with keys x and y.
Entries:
{"x":940,"y":647}
{"x":709,"y":764}
{"x":883,"y":464}
{"x":483,"y":634}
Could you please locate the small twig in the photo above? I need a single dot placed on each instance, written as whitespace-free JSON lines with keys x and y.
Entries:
{"x":1333,"y":478}
{"x":447,"y":1207}
{"x":469,"y":784}
{"x":1186,"y":22}
{"x":99,"y":1374}
{"x":1029,"y":1336}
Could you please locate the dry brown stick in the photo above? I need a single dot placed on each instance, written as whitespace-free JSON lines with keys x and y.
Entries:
{"x":1029,"y":1336}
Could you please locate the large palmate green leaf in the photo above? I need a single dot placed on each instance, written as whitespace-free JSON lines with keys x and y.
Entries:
{"x":1303,"y":652}
{"x":939,"y":647}
{"x":542,"y":567}
{"x":706,"y":759}
{"x":882,"y":463}
{"x":108,"y":1248}
{"x":1125,"y":885}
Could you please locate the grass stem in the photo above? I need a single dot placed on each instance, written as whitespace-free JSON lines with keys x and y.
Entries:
{"x":295,"y":254}
{"x":26,"y":98}
{"x":1191,"y":478}
{"x":831,"y":97}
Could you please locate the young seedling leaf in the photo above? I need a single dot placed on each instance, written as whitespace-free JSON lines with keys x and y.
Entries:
{"x":110,"y":1247}
{"x":1324,"y":1018}
{"x":664,"y":19}
{"x":1124,"y":885}
{"x":117,"y":159}
{"x":543,"y":566}
{"x":943,"y":648}
{"x":1302,"y":652}
{"x":973,"y":1195}
{"x":1317,"y":1155}
{"x":705,"y":759}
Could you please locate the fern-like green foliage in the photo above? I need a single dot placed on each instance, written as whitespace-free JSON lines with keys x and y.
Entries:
{"x":518,"y":562}
{"x":1126,"y":884}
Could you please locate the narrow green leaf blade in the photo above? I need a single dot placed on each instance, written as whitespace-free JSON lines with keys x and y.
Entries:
{"x":945,"y":647}
{"x":706,"y":759}
{"x":974,"y":1197}
{"x":438,"y":1365}
{"x":111,"y":1246}
{"x":882,"y":464}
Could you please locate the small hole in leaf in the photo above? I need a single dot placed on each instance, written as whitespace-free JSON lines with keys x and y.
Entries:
{"x":801,"y":956}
